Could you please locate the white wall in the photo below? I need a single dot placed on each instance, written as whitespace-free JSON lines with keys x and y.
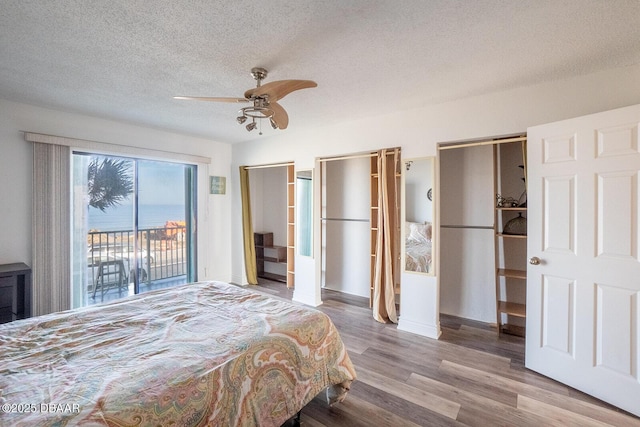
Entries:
{"x":214,"y":211}
{"x":467,"y":276}
{"x":274,"y":210}
{"x":418,"y":132}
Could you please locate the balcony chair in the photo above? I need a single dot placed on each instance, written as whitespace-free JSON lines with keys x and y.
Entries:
{"x":111,"y":274}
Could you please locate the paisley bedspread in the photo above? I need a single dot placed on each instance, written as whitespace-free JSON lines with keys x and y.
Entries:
{"x":203,"y":354}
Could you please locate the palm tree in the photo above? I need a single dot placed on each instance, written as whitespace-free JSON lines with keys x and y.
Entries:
{"x":110,"y":182}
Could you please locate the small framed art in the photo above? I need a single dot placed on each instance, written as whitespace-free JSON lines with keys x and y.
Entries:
{"x":217,"y":184}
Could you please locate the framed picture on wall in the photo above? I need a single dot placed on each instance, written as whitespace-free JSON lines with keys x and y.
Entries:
{"x":217,"y":185}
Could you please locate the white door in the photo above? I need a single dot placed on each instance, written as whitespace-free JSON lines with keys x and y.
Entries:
{"x":583,"y":314}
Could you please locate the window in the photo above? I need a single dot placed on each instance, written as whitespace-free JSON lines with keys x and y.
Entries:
{"x":133,"y":226}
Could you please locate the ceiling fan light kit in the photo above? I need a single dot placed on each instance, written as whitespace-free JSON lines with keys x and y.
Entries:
{"x":264,"y":100}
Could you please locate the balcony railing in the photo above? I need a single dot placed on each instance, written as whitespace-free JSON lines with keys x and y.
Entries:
{"x":160,"y":257}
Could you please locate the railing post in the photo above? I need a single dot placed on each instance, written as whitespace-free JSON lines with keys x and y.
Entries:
{"x":148,"y":233}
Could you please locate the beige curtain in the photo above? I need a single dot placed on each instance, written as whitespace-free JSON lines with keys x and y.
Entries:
{"x":51,"y":228}
{"x":384,"y":306}
{"x":247,"y":229}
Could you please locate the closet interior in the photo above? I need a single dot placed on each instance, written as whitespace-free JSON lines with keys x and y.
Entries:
{"x":350,"y":221}
{"x":345,"y":231}
{"x":483,"y":232}
{"x":273,"y":218}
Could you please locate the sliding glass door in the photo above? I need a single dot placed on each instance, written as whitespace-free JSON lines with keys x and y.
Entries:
{"x":133,"y":226}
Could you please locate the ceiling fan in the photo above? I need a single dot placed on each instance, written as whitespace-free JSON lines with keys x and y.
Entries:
{"x":263,"y":99}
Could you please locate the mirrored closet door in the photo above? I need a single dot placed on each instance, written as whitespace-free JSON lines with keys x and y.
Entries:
{"x":418,"y":215}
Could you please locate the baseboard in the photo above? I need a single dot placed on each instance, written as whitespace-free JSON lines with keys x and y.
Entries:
{"x":429,"y":331}
{"x":307,"y":299}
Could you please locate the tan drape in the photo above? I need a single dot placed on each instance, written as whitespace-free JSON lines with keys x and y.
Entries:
{"x":51,"y":228}
{"x":247,"y":229}
{"x":384,"y":306}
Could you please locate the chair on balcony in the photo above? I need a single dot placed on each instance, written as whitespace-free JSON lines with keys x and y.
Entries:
{"x":111,"y":274}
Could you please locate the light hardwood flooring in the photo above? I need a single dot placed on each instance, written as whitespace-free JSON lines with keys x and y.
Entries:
{"x":469,"y":377}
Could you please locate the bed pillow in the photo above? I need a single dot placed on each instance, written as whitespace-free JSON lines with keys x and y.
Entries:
{"x":417,"y":231}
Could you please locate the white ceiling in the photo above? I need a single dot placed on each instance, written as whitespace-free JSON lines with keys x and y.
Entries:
{"x":126,"y":59}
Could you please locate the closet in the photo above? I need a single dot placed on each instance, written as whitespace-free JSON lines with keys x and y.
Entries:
{"x":273,"y":215}
{"x":481,"y":267}
{"x":352,"y":227}
{"x":345,"y":230}
{"x":467,"y":279}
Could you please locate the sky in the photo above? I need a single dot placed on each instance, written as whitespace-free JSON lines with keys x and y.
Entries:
{"x":160,"y":183}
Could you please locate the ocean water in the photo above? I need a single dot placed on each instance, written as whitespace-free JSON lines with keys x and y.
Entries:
{"x":121,"y":217}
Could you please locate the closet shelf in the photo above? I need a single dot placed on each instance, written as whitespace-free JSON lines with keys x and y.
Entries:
{"x":512,"y":273}
{"x":512,"y":308}
{"x":345,"y":219}
{"x":375,"y":175}
{"x":512,"y":236}
{"x":510,"y":249}
{"x":272,"y":276}
{"x":267,"y":252}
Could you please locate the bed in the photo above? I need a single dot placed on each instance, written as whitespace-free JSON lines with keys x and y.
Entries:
{"x":418,"y":244}
{"x":207,"y":353}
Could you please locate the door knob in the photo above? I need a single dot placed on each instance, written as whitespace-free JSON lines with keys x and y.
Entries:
{"x":534,"y":260}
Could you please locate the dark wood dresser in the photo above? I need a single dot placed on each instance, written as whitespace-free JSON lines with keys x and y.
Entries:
{"x":15,"y":292}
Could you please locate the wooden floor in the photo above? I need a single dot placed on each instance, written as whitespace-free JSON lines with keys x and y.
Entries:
{"x":469,"y":377}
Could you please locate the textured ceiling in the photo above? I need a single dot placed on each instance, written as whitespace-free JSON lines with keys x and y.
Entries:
{"x":126,"y":59}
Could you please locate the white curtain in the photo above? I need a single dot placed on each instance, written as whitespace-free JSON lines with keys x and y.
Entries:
{"x":51,"y":228}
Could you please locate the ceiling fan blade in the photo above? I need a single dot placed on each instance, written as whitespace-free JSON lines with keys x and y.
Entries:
{"x":280,"y":116}
{"x":279,"y":89}
{"x":211,"y":98}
